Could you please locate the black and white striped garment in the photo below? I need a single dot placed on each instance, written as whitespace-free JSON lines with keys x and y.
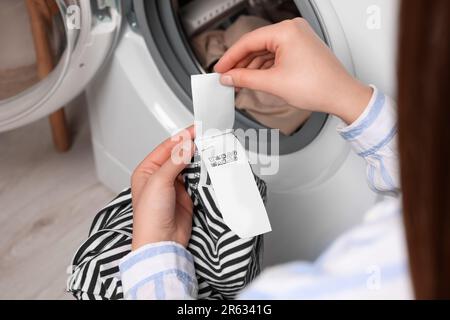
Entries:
{"x":224,"y":263}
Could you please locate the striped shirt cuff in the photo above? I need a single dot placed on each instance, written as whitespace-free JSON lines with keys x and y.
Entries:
{"x":163,"y":270}
{"x":375,"y":128}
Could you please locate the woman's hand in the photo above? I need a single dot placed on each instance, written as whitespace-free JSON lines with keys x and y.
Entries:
{"x":162,"y":207}
{"x":289,"y":60}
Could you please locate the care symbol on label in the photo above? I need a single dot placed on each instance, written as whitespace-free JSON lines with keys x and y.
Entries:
{"x":223,"y":158}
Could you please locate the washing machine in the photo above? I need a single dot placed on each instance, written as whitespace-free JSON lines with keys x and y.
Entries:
{"x":134,"y":60}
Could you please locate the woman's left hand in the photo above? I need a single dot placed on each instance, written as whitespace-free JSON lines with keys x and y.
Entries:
{"x":162,"y":207}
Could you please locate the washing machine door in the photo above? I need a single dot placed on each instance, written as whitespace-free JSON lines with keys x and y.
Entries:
{"x":81,"y":37}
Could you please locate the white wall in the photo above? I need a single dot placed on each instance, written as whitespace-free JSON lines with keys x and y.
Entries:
{"x":16,"y":42}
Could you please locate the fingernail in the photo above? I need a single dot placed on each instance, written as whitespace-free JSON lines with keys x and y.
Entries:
{"x":226,"y":80}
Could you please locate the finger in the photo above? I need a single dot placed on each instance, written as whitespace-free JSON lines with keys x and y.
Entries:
{"x":248,"y":59}
{"x":262,"y":39}
{"x":183,"y":198}
{"x":173,"y":166}
{"x":163,"y":151}
{"x":248,"y":78}
{"x":259,"y":61}
{"x":268,"y":64}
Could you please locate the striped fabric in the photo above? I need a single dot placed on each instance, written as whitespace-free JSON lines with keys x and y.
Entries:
{"x":224,"y":263}
{"x":94,"y":273}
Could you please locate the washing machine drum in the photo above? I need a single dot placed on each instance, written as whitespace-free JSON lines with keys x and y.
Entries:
{"x":171,"y":29}
{"x":51,"y":49}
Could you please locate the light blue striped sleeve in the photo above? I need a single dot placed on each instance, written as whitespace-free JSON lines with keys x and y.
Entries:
{"x":374,"y":137}
{"x":159,"y":271}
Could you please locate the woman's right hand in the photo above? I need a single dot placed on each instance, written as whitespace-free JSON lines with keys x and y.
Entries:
{"x":290,"y":61}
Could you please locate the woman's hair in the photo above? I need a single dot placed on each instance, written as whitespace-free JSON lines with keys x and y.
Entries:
{"x":424,"y":142}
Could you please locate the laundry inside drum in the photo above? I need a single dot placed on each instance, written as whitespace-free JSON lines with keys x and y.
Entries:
{"x":213,"y":26}
{"x":32,"y":38}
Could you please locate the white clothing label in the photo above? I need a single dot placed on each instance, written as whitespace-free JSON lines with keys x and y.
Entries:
{"x":224,"y":157}
{"x":213,"y":104}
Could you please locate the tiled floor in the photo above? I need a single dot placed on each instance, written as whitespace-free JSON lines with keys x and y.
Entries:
{"x":47,"y":201}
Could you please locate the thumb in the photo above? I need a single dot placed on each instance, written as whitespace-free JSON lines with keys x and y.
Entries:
{"x":180,"y":157}
{"x":255,"y":79}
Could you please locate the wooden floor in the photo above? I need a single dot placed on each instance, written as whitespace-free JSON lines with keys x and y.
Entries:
{"x":47,"y":201}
